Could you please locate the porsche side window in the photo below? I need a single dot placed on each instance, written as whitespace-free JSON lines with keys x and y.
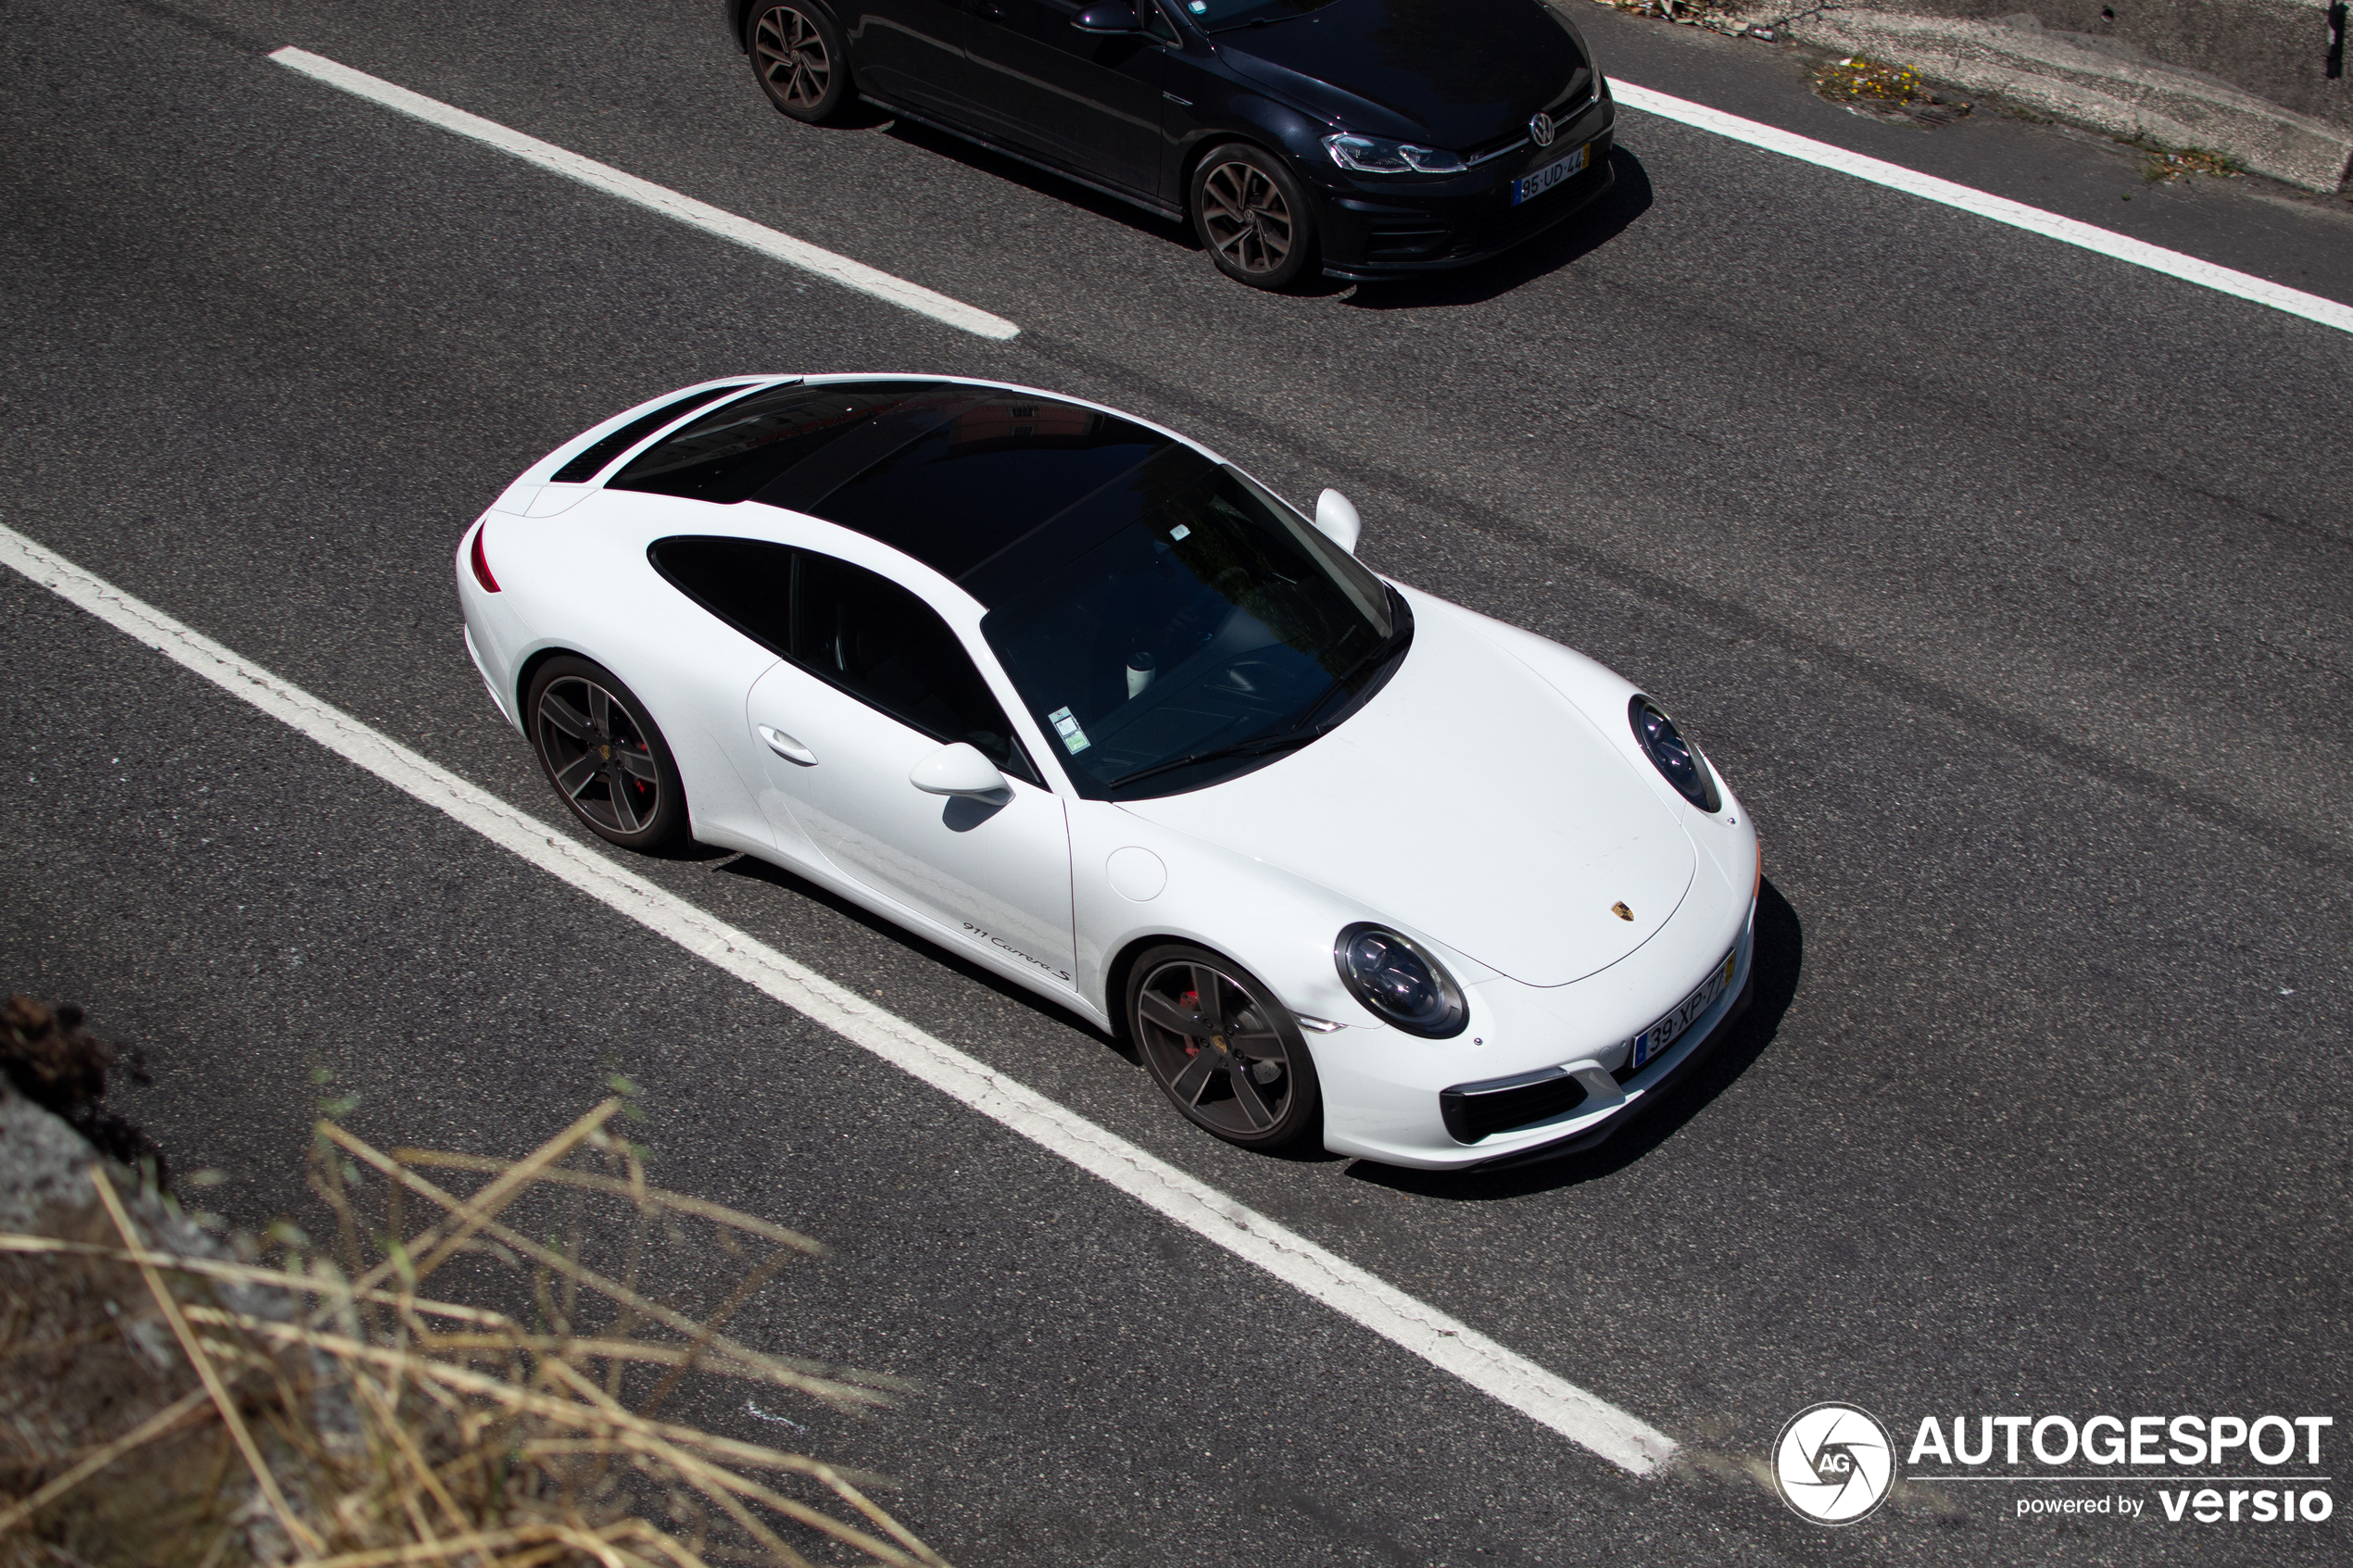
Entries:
{"x":744,"y":583}
{"x":860,"y":631}
{"x":1156,"y":21}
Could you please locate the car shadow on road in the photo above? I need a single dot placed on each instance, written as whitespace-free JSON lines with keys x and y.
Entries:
{"x":1779,"y":963}
{"x":757,"y":870}
{"x":1055,"y":187}
{"x":1562,"y":245}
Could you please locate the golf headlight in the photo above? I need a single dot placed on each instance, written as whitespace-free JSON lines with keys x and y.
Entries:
{"x":1676,"y":758}
{"x":1378,"y":154}
{"x":1400,"y":982}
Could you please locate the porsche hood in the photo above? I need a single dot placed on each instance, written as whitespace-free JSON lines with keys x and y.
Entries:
{"x":1472,"y":802}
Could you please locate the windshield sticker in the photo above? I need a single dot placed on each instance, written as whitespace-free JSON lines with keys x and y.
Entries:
{"x":1180,"y":532}
{"x":1067,"y":727}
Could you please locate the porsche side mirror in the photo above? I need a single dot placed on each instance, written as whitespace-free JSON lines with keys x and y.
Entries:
{"x":959,"y":770}
{"x":1113,"y":17}
{"x":1336,"y":515}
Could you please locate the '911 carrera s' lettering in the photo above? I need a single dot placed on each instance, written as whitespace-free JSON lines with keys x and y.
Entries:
{"x":996,"y":941}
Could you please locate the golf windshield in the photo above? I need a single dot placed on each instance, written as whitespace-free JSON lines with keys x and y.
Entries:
{"x":1215,"y":16}
{"x":1206,"y":630}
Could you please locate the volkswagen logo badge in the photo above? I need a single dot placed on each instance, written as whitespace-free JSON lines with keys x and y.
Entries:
{"x":1540,"y":129}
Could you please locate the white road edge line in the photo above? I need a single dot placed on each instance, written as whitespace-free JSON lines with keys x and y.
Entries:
{"x":2001,"y":209}
{"x":1442,"y":1341}
{"x":646,"y":193}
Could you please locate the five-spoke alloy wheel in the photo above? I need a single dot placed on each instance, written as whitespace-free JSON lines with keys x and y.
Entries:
{"x":604,"y":755}
{"x":1252,"y":216}
{"x":797,"y":52}
{"x":1221,"y":1047}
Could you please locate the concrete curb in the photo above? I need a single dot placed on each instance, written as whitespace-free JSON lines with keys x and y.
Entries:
{"x":2100,"y":82}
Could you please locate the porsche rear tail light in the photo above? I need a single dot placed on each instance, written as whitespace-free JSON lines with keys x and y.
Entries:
{"x":481,"y":566}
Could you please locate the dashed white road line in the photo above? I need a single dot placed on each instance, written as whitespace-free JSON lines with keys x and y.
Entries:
{"x":1414,"y":1326}
{"x":656,"y":198}
{"x":2001,"y":209}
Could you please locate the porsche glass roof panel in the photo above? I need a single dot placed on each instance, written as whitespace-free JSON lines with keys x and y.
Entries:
{"x":975,"y":480}
{"x":954,"y":475}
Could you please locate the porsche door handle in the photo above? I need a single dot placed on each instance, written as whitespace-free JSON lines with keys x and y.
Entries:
{"x":786,"y":747}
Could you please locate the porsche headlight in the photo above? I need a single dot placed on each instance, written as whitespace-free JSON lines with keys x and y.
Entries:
{"x":1378,"y":155}
{"x":1676,"y":758}
{"x":1400,"y":982}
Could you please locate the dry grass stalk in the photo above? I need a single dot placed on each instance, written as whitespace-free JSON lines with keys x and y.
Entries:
{"x":367,"y":1424}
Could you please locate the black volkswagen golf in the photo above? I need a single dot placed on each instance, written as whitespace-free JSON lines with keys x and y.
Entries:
{"x":1366,"y":137}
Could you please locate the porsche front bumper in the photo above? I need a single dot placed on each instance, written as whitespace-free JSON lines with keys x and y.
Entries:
{"x":1395,"y":1090}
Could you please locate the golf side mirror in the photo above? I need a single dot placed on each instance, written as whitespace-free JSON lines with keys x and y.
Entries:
{"x":1336,"y":515}
{"x":960,"y":770}
{"x":1113,"y":15}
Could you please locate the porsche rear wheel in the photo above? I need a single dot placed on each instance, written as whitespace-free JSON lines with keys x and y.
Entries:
{"x":1222,"y":1048}
{"x":604,"y":754}
{"x":797,"y":52}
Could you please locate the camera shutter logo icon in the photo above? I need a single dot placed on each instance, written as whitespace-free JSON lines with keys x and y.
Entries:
{"x":1834,"y":1464}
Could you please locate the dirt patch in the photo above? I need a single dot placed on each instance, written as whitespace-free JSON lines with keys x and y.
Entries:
{"x":1885,"y":92}
{"x":2165,"y":165}
{"x":1709,"y":13}
{"x":51,"y":1060}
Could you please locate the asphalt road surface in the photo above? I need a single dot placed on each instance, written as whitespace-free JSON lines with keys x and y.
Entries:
{"x":2008,"y":584}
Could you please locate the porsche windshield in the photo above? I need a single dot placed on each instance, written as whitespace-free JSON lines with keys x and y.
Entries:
{"x":1205,"y":630}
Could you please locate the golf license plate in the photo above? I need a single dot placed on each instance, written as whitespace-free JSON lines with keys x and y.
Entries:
{"x":1529,"y":187}
{"x":1669,"y":1029}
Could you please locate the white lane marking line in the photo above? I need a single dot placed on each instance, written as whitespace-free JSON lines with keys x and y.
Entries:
{"x":2001,"y":209}
{"x":646,"y":193}
{"x":1413,"y":1325}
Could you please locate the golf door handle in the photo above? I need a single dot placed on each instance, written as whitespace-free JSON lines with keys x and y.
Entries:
{"x":786,"y":747}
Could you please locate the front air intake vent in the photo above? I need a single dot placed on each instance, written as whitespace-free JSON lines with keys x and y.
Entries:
{"x":1472,"y":1112}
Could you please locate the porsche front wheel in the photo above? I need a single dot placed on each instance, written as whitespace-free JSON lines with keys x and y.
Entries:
{"x":1222,"y":1048}
{"x":604,"y":754}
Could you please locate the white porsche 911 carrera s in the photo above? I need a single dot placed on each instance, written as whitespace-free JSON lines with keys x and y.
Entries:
{"x":1068,"y":695}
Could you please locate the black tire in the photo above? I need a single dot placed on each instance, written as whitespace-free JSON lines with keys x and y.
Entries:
{"x":1237,"y":1066}
{"x":1252,"y":216}
{"x":604,"y":755}
{"x":798,"y":56}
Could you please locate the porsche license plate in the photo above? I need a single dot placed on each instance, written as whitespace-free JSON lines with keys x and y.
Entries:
{"x":1669,"y":1029}
{"x":1529,"y":187}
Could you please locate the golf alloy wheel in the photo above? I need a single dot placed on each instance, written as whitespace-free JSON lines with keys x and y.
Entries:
{"x":604,"y":755}
{"x":797,"y":54}
{"x":1252,"y":216}
{"x":1223,"y":1050}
